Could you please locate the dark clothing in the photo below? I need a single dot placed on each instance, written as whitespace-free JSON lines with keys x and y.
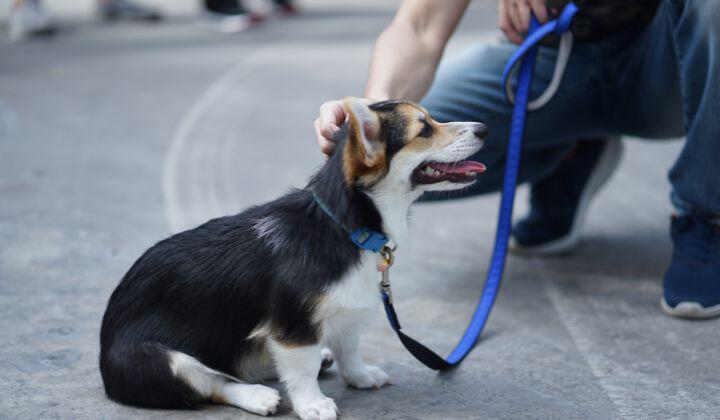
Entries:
{"x":602,"y":18}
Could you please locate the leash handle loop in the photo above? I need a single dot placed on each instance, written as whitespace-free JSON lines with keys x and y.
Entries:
{"x":560,"y":26}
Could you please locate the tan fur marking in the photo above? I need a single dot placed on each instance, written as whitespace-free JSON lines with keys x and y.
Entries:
{"x":218,"y":399}
{"x":419,"y":144}
{"x":442,"y":134}
{"x":357,"y":167}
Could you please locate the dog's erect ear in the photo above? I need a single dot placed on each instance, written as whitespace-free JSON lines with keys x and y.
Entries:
{"x":363,"y":131}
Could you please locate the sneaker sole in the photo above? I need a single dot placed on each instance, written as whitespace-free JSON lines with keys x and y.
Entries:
{"x":690,"y":310}
{"x":609,"y":161}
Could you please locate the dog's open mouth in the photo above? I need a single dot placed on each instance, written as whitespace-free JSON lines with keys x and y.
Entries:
{"x":460,"y":172}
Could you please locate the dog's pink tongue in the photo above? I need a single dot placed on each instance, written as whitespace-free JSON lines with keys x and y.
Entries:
{"x":459,"y":168}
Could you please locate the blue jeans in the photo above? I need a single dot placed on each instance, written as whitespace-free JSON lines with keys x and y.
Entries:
{"x":660,"y":82}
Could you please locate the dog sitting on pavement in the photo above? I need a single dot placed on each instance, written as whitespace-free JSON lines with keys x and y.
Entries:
{"x":206,"y":314}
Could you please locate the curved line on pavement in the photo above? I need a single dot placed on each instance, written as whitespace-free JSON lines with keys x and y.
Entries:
{"x":181,"y":137}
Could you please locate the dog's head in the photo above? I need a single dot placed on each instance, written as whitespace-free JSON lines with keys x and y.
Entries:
{"x":397,"y":146}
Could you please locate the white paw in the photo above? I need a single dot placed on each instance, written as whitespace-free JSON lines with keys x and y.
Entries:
{"x":366,"y":377}
{"x":258,"y":399}
{"x":323,"y":408}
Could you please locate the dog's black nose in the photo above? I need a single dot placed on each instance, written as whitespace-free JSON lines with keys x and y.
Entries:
{"x":481,"y":131}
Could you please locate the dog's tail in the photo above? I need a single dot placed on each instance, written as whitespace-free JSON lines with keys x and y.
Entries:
{"x":146,"y":375}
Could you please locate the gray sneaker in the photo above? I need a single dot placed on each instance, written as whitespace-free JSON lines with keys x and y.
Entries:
{"x":29,"y":19}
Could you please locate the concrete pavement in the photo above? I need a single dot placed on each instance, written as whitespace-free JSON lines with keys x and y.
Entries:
{"x":112,"y":136}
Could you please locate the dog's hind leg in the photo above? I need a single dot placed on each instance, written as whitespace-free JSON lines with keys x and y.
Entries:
{"x":221,"y":388}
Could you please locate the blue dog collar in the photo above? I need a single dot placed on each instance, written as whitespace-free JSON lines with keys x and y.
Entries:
{"x":368,"y":239}
{"x":364,"y":238}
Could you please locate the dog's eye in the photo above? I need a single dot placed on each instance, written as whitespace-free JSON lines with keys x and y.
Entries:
{"x":426,"y":130}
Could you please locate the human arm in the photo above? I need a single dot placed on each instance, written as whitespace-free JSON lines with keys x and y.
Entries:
{"x":404,"y":59}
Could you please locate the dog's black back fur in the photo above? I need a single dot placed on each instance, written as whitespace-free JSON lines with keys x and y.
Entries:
{"x":201,"y":292}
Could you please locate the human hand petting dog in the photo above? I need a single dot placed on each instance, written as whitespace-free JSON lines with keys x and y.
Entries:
{"x":331,"y":117}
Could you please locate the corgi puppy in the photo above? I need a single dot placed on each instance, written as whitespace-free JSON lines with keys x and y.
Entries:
{"x":206,"y":314}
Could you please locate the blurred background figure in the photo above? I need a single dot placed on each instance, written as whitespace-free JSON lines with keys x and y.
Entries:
{"x":233,"y":16}
{"x":29,"y":18}
{"x":230,"y":16}
{"x":127,"y":9}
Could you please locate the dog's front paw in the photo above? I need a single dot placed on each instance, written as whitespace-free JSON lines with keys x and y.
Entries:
{"x":319,"y":409}
{"x":366,"y":377}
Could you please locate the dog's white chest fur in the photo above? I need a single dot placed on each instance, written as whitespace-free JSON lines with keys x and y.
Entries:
{"x":352,"y":299}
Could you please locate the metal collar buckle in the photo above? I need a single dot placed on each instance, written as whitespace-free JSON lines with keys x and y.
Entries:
{"x":387,"y":260}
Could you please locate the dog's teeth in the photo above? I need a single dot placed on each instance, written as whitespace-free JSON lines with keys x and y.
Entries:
{"x":469,"y":173}
{"x":427,"y":170}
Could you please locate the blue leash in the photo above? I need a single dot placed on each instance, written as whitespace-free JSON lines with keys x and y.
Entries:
{"x":527,"y":52}
{"x":377,"y":242}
